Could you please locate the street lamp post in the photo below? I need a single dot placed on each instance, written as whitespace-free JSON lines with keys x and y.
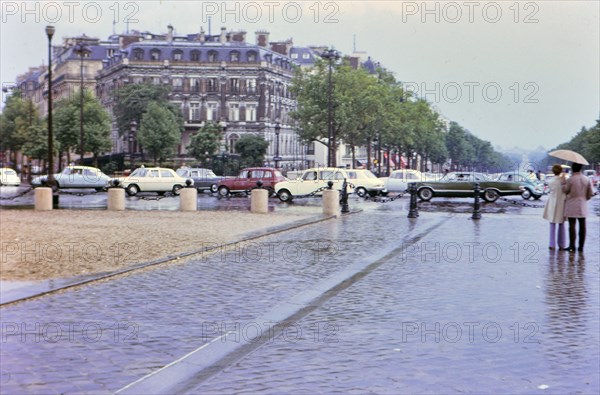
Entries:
{"x":330,"y":55}
{"x":132,"y":131}
{"x":81,"y":51}
{"x":277,"y":158}
{"x":50,"y":181}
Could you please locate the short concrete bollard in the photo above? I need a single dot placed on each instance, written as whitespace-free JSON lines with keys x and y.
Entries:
{"x":188,"y":199}
{"x":116,"y":199}
{"x":259,"y":201}
{"x":331,"y":202}
{"x":43,"y":198}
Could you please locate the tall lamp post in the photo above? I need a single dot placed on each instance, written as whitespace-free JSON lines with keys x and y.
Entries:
{"x":277,"y":158}
{"x":330,"y":55}
{"x":132,"y":131}
{"x":50,"y":181}
{"x":81,"y":50}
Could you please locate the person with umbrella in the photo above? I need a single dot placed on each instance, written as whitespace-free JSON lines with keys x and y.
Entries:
{"x":555,"y":209}
{"x":579,"y":190}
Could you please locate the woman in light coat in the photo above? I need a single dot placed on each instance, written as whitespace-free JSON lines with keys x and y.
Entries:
{"x":554,"y":209}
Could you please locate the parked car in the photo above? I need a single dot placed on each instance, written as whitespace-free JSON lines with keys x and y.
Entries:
{"x":533,"y":188}
{"x":311,"y":180}
{"x":77,"y":177}
{"x":592,"y":175}
{"x":364,"y":182}
{"x":247,"y":179}
{"x":461,"y":184}
{"x":9,"y":177}
{"x":399,"y":179}
{"x":152,"y":179}
{"x":204,"y":179}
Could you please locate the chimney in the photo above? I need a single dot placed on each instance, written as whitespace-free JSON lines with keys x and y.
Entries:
{"x":239,"y":36}
{"x":170,"y":33}
{"x":201,"y":36}
{"x":262,"y":38}
{"x":223,"y":37}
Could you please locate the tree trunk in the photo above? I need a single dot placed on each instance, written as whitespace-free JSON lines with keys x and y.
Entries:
{"x":388,"y":165}
{"x":353,"y":156}
{"x":369,"y":154}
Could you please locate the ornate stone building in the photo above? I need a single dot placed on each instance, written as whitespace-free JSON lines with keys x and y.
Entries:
{"x":243,"y":86}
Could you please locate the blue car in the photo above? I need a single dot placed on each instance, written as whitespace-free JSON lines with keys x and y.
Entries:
{"x":533,"y":188}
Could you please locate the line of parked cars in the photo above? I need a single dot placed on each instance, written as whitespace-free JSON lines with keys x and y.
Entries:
{"x":9,"y":177}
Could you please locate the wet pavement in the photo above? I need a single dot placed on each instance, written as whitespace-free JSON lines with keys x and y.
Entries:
{"x":469,"y":306}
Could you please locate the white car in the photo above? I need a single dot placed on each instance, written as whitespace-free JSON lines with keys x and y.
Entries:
{"x":152,"y":179}
{"x":9,"y":177}
{"x":359,"y":181}
{"x":399,"y":179}
{"x":77,"y":177}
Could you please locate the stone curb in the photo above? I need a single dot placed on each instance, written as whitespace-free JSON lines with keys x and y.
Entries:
{"x":37,"y":290}
{"x":197,"y":366}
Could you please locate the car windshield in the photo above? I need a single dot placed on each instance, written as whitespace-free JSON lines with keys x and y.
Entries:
{"x":139,"y":172}
{"x":9,"y":172}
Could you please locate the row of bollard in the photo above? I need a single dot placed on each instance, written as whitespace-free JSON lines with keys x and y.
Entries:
{"x":259,"y":202}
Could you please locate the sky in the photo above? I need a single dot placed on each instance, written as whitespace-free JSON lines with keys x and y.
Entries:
{"x":518,"y":74}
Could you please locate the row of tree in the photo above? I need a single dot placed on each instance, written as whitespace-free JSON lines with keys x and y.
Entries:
{"x":587,"y":143}
{"x":374,"y":111}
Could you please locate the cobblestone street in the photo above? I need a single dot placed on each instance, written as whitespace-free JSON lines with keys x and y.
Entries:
{"x":449,"y":305}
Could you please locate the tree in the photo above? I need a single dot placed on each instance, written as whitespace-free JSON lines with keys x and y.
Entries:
{"x":252,"y":150}
{"x":96,"y":125}
{"x":159,"y":131}
{"x":206,"y":142}
{"x":18,"y":116}
{"x":132,"y":100}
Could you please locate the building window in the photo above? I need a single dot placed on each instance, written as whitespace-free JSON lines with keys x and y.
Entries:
{"x":310,"y":149}
{"x":138,"y":54}
{"x":138,"y":80}
{"x":250,"y":112}
{"x":251,"y":86}
{"x":294,"y":56}
{"x":234,"y":85}
{"x":194,"y":111}
{"x":177,"y":83}
{"x":234,"y":112}
{"x":234,"y":56}
{"x":213,"y":56}
{"x":306,"y":55}
{"x":178,"y":55}
{"x":212,"y":85}
{"x":251,"y":56}
{"x":155,"y":54}
{"x":110,"y":52}
{"x":233,"y":139}
{"x":156,"y":80}
{"x":211,"y":112}
{"x":195,"y":56}
{"x":194,"y":86}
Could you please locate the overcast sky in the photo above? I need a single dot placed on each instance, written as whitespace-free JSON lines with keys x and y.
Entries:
{"x":519,"y":74}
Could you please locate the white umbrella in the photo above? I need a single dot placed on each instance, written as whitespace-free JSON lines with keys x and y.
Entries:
{"x":569,"y":155}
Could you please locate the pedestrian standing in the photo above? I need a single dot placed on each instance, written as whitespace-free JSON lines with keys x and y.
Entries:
{"x":579,"y":190}
{"x":554,"y":211}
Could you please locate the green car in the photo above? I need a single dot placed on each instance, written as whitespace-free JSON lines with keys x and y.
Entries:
{"x":462,"y":184}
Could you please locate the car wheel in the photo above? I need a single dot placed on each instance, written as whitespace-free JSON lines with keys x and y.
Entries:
{"x":537,"y":197}
{"x":490,"y":195}
{"x":361,"y":192}
{"x":132,"y":190}
{"x":526,"y":194}
{"x":214,"y":188}
{"x":425,"y":194}
{"x":284,"y":195}
{"x":176,"y":189}
{"x":161,"y":193}
{"x":56,"y":186}
{"x":223,"y":191}
{"x":384,"y":194}
{"x":99,"y":189}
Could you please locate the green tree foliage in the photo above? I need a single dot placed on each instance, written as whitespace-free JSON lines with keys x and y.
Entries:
{"x":132,"y":100}
{"x":159,"y":131}
{"x":586,"y":142}
{"x":252,"y":150}
{"x":96,"y":125}
{"x":205,"y":143}
{"x":19,"y":117}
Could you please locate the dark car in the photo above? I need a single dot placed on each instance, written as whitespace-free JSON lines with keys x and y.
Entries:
{"x":247,"y":179}
{"x":533,"y":188}
{"x":461,"y":184}
{"x":204,"y":179}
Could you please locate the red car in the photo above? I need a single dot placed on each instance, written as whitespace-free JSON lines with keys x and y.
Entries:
{"x":247,"y":179}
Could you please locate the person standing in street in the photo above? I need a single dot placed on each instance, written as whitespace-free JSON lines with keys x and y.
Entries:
{"x":579,"y":190}
{"x":554,"y":211}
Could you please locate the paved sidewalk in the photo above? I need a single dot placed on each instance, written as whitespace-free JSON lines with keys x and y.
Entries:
{"x":365,"y":338}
